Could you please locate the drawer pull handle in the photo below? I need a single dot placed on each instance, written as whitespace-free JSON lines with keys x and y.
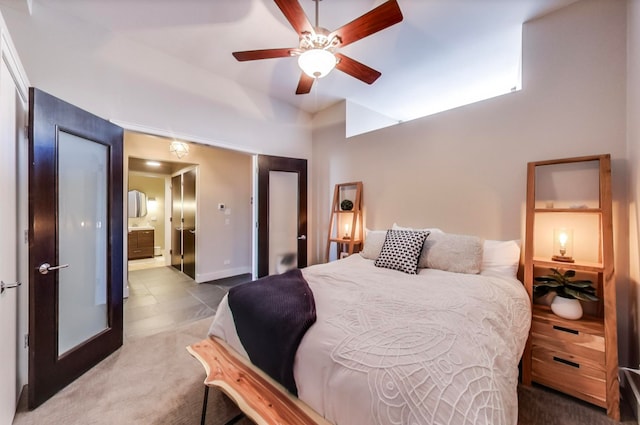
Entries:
{"x":567,"y":362}
{"x":571,"y":331}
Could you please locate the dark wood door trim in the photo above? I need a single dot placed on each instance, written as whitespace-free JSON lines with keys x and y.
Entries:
{"x":189,"y":225}
{"x":176,"y":222}
{"x":49,"y":372}
{"x":267,"y":164}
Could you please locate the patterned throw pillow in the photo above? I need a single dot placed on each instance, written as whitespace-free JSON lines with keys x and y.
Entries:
{"x":401,"y":250}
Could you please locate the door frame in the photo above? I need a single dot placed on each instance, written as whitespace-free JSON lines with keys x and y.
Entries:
{"x":266,"y":164}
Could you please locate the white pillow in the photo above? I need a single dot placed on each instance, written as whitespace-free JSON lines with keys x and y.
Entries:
{"x":430,"y":230}
{"x":452,"y":253}
{"x":500,"y":258}
{"x":373,"y":241}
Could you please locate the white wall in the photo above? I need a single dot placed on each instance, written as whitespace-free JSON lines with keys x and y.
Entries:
{"x":137,"y":91}
{"x":464,"y":170}
{"x":633,"y":143}
{"x":18,"y":103}
{"x":224,"y":176}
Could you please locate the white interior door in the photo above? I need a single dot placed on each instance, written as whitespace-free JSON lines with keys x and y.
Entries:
{"x":8,"y":248}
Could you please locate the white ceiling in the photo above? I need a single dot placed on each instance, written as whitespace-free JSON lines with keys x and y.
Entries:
{"x":441,"y":49}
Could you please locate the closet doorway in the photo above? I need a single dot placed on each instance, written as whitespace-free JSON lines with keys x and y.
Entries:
{"x":183,"y":222}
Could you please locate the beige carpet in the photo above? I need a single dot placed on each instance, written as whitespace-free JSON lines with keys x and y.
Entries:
{"x":153,"y":380}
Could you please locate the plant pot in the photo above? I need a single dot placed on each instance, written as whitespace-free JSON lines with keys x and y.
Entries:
{"x":567,"y":308}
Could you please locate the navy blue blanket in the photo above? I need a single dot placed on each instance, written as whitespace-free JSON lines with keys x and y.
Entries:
{"x":271,"y":316}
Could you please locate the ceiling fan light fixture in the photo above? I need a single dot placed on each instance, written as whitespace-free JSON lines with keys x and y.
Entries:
{"x":317,"y":63}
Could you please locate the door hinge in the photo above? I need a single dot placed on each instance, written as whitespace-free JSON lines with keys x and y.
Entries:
{"x":26,"y":131}
{"x":26,"y":236}
{"x":26,"y":340}
{"x":171,"y":252}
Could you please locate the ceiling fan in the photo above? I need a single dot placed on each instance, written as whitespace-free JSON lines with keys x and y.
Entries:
{"x":317,"y":52}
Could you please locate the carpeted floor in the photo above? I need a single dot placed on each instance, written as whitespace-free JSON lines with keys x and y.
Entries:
{"x":153,"y":380}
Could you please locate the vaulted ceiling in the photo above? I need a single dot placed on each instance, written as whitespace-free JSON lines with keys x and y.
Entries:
{"x":442,"y":50}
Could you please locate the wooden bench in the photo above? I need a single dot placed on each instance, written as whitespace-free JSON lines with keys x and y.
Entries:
{"x":257,"y":395}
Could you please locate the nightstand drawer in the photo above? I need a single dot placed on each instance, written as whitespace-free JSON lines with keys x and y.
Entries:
{"x":569,"y":374}
{"x":569,"y":339}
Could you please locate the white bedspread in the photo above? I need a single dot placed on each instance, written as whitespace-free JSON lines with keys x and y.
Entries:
{"x":391,"y":348}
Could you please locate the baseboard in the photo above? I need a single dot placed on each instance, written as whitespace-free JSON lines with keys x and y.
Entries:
{"x":221,"y":274}
{"x":630,"y":392}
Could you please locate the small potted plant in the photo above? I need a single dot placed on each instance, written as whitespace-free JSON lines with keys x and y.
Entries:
{"x":568,"y":292}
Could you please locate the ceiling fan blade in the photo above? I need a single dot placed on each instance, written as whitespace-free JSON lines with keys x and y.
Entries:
{"x":383,"y":16}
{"x":294,"y":13}
{"x":251,"y":55}
{"x":356,"y":69}
{"x":305,"y":83}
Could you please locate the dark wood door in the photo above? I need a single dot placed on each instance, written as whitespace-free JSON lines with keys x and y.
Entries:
{"x":176,"y":222}
{"x":189,"y":223}
{"x":75,"y":243}
{"x":294,"y":196}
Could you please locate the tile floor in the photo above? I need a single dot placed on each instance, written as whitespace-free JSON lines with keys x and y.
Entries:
{"x":162,"y":298}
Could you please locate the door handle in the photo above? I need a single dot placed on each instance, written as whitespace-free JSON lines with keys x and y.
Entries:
{"x":46,"y":267}
{"x":302,"y":238}
{"x":4,"y":286}
{"x":179,"y":229}
{"x":193,"y":232}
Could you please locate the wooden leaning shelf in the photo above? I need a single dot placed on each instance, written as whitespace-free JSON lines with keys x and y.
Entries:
{"x":259,"y":397}
{"x":350,"y":241}
{"x":577,"y":357}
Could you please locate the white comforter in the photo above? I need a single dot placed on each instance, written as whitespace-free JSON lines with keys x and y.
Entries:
{"x":391,"y":348}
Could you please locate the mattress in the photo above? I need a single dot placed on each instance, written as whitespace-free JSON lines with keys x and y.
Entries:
{"x":392,"y":348}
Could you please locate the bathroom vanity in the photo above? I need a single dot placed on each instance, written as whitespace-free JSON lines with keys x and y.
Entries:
{"x":140,"y":243}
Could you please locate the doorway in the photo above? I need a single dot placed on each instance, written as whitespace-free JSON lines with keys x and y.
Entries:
{"x":216,"y":204}
{"x":149,"y":227}
{"x":282,"y":214}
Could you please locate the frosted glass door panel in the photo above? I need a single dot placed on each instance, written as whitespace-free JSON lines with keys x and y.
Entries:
{"x":82,"y":241}
{"x":283,"y":221}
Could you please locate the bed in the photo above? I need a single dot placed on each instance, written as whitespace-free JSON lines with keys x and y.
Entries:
{"x":387,"y":347}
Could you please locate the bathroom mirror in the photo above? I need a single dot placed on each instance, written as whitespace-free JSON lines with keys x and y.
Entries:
{"x":137,"y":204}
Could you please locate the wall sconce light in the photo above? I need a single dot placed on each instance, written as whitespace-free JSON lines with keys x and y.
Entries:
{"x":563,"y":245}
{"x":151,"y":204}
{"x":180,"y":149}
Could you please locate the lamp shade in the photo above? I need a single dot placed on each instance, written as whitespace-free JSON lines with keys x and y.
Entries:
{"x":317,"y":63}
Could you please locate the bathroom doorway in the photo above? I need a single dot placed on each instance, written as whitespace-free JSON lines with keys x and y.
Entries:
{"x":149,"y":212}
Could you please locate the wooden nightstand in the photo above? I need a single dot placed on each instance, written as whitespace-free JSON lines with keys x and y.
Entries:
{"x":569,"y":356}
